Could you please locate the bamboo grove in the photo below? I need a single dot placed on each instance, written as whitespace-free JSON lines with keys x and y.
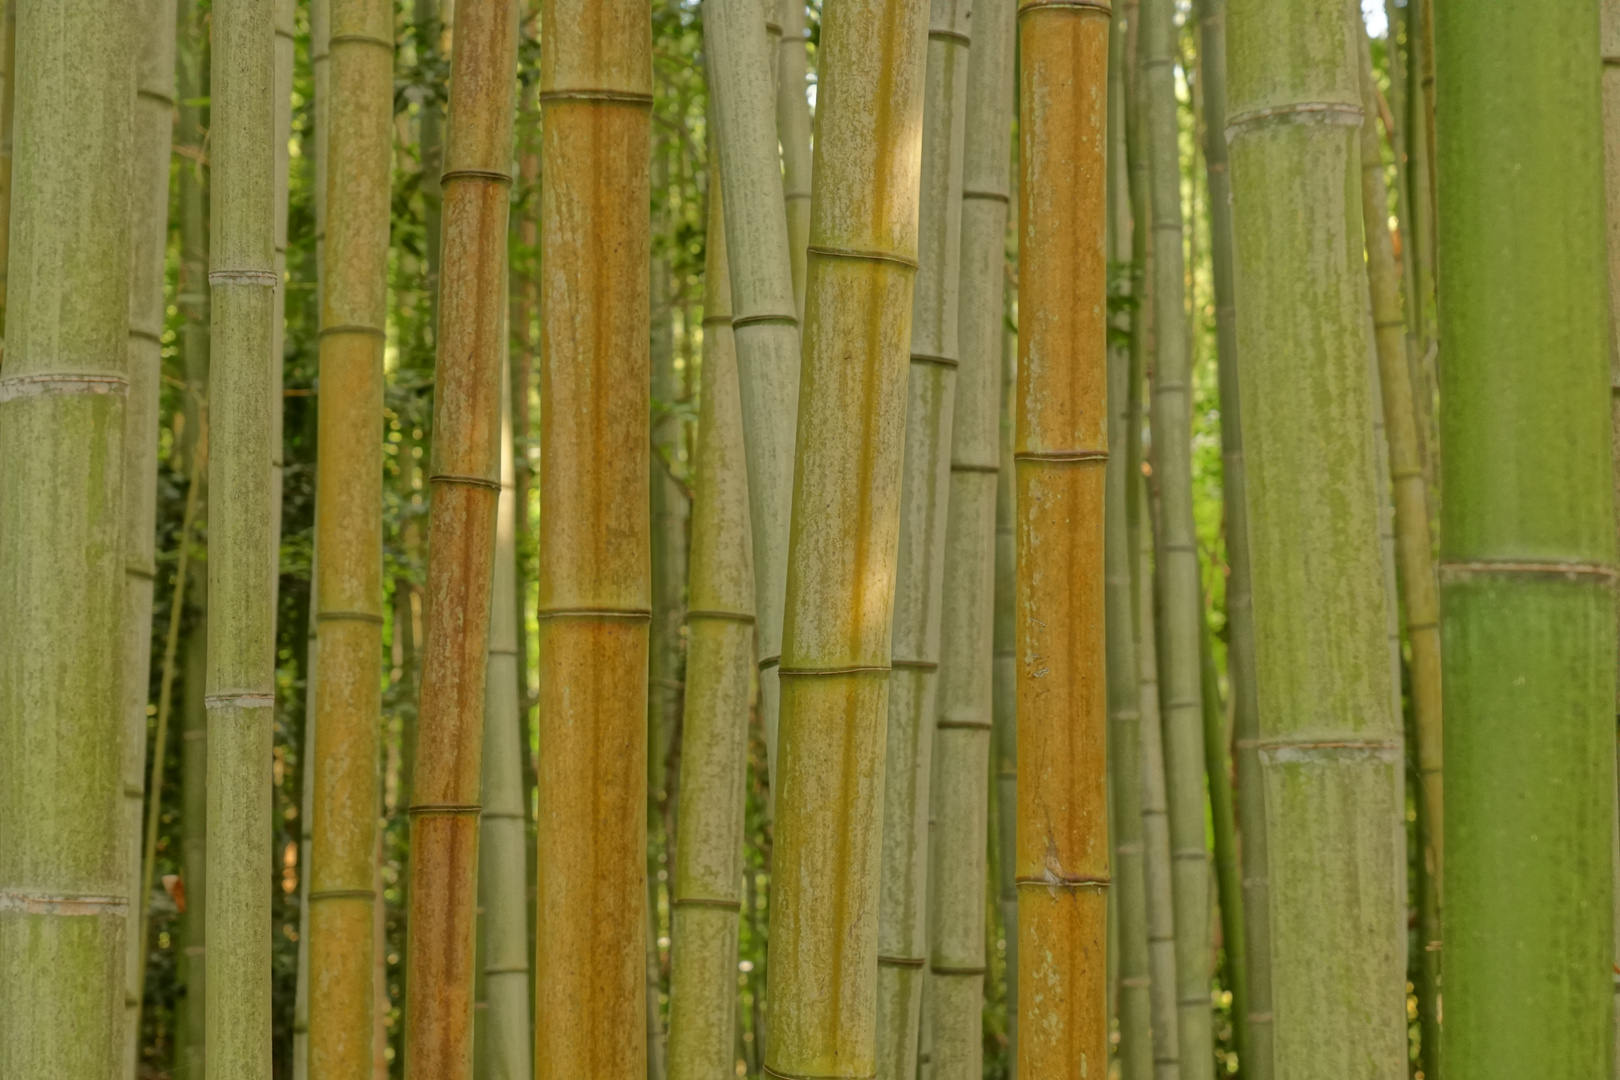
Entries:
{"x":809,"y":539}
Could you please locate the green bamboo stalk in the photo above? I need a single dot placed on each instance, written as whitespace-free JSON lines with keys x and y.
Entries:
{"x":822,"y":984}
{"x":8,"y":84}
{"x":793,"y":130}
{"x":149,"y":236}
{"x":428,"y":15}
{"x":191,"y":1023}
{"x":1610,"y":30}
{"x":1329,"y":739}
{"x":281,"y":133}
{"x":707,"y":893}
{"x":767,"y":330}
{"x":1420,"y":235}
{"x":1003,"y":687}
{"x":903,"y":908}
{"x":1527,"y":544}
{"x":1223,"y":821}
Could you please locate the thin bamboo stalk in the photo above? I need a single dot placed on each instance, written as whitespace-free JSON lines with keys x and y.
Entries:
{"x":348,"y":594}
{"x":281,"y":132}
{"x":759,"y":245}
{"x":1420,"y":234}
{"x":1610,"y":29}
{"x":1061,"y":447}
{"x":824,"y":929}
{"x":149,"y":239}
{"x":904,"y":1040}
{"x":594,"y":587}
{"x":793,"y":129}
{"x":1003,"y":687}
{"x":1527,"y":544}
{"x":8,"y":84}
{"x":1329,"y":738}
{"x":192,"y":1034}
{"x":708,"y":893}
{"x":465,"y":484}
{"x":1223,"y":822}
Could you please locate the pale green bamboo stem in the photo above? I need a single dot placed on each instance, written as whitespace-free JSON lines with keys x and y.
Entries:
{"x":1003,"y":688}
{"x":1223,"y":821}
{"x":903,"y":913}
{"x":1527,"y":543}
{"x":1610,"y":30}
{"x":708,"y":893}
{"x":793,"y":130}
{"x":286,"y":34}
{"x":767,"y":328}
{"x":1420,"y":236}
{"x":8,"y":83}
{"x":192,"y":1044}
{"x":845,"y":531}
{"x":64,"y":885}
{"x":1329,"y":739}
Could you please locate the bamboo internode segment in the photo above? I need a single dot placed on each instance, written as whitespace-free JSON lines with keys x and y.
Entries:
{"x":594,"y":540}
{"x":1062,"y":431}
{"x":348,"y":597}
{"x":793,"y":128}
{"x":1610,"y":30}
{"x":461,"y":532}
{"x":846,"y":522}
{"x":1334,"y":833}
{"x":1527,"y":544}
{"x":64,"y":882}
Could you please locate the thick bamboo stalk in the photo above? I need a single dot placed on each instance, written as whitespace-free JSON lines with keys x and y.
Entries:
{"x":8,"y":85}
{"x":594,"y":588}
{"x":957,"y":861}
{"x":904,"y":1042}
{"x":707,"y":894}
{"x":822,"y":984}
{"x":1003,"y":687}
{"x":1061,"y":448}
{"x":348,"y":595}
{"x":1329,"y":739}
{"x":153,"y":122}
{"x":465,"y":483}
{"x":1527,"y":544}
{"x":1610,"y":30}
{"x":793,"y":131}
{"x":766,"y":328}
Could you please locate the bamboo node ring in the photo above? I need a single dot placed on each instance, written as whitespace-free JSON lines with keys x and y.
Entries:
{"x":492,"y":175}
{"x":804,"y":1076}
{"x":852,"y":669}
{"x":940,"y":361}
{"x":352,"y":328}
{"x":240,"y":699}
{"x":767,"y":318}
{"x":348,"y":616}
{"x":1457,"y":572}
{"x":1071,"y":881}
{"x":902,"y":961}
{"x":962,"y":725}
{"x":1302,"y":112}
{"x":969,"y":466}
{"x":614,"y":97}
{"x":360,"y":39}
{"x":1058,"y":457}
{"x":31,"y":903}
{"x":921,"y":665}
{"x":716,"y":613}
{"x":1081,"y":5}
{"x":992,"y":196}
{"x":938,"y":969}
{"x":471,"y":481}
{"x":146,"y":335}
{"x":949,"y":35}
{"x":704,"y":901}
{"x":769,"y":662}
{"x":244,"y":277}
{"x":594,"y":613}
{"x":21,"y":386}
{"x":445,"y":810}
{"x":903,"y":261}
{"x":343,"y":894}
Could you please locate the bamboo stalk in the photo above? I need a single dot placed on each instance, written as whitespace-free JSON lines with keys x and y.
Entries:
{"x":8,"y":96}
{"x":1329,"y":739}
{"x":1061,"y":446}
{"x":1609,"y":28}
{"x":465,"y":482}
{"x":192,"y":1041}
{"x":1223,"y":821}
{"x":824,"y":928}
{"x":903,"y":1038}
{"x":707,"y":894}
{"x":759,"y":245}
{"x":281,"y":133}
{"x":348,"y":521}
{"x":1003,"y":684}
{"x":1527,"y":544}
{"x":793,"y":129}
{"x":594,"y":588}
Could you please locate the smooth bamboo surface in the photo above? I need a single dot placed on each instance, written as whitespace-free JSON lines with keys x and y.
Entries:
{"x":1329,"y":742}
{"x":464,"y":479}
{"x":8,"y":98}
{"x":1003,"y":687}
{"x":1527,"y":543}
{"x":1610,"y":42}
{"x":594,"y":587}
{"x":348,"y":524}
{"x":1061,"y":450}
{"x":824,"y":927}
{"x":793,"y":130}
{"x":64,"y":879}
{"x":286,"y":18}
{"x":708,"y":887}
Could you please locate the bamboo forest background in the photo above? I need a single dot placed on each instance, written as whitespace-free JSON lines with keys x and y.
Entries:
{"x":680,"y":181}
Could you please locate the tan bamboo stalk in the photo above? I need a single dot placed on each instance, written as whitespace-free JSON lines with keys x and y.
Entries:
{"x":1062,"y":439}
{"x":1610,"y":30}
{"x":465,"y":484}
{"x":149,"y":235}
{"x":957,"y":860}
{"x":8,"y":83}
{"x":707,"y":893}
{"x":846,"y":525}
{"x":502,"y":863}
{"x":793,"y":129}
{"x":594,"y":589}
{"x":1329,"y":742}
{"x":765,"y":326}
{"x":348,"y":594}
{"x":920,"y":563}
{"x":1003,"y":680}
{"x":192,"y":1041}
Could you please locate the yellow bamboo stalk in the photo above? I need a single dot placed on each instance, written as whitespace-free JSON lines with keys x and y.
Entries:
{"x":348,"y":524}
{"x":594,"y":587}
{"x":1060,"y":450}
{"x":1610,"y":41}
{"x":845,"y":530}
{"x":465,"y":484}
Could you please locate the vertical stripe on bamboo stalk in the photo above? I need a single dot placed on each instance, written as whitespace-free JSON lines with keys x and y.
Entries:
{"x":1061,"y":448}
{"x":707,"y":893}
{"x":1003,"y":686}
{"x":846,"y":524}
{"x":1610,"y":44}
{"x":793,"y":129}
{"x":64,"y":884}
{"x":766,"y":327}
{"x":1329,"y":741}
{"x":902,"y":1037}
{"x":465,"y":482}
{"x":1527,"y":543}
{"x":348,"y":523}
{"x":964,"y":715}
{"x":8,"y":84}
{"x":281,"y":132}
{"x":594,"y":589}
{"x":241,"y":627}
